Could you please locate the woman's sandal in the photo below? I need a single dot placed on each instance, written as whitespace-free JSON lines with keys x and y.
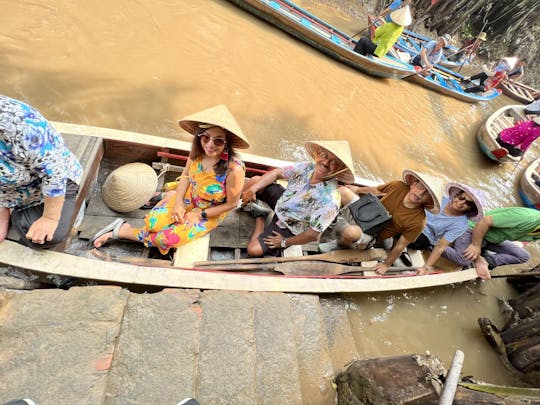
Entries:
{"x":113,"y":227}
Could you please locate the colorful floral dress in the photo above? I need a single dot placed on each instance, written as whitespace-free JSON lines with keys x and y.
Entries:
{"x":205,"y":190}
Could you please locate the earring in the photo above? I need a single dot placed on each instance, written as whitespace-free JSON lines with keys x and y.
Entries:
{"x":225,"y":154}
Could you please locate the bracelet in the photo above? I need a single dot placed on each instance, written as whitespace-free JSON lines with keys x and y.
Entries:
{"x":203,"y":215}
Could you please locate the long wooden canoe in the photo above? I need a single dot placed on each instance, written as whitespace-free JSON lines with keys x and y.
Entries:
{"x":528,"y":190}
{"x":519,"y":91}
{"x":504,"y":117}
{"x":101,"y":150}
{"x":310,"y":29}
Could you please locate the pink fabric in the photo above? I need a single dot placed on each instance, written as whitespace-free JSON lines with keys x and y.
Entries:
{"x":521,"y":135}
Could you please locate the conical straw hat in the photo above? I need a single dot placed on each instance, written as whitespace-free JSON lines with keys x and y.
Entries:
{"x":434,"y":185}
{"x":129,"y":187}
{"x":342,"y":152}
{"x":482,"y":36}
{"x":219,"y":116}
{"x":478,"y":197}
{"x":511,"y":62}
{"x":402,"y":16}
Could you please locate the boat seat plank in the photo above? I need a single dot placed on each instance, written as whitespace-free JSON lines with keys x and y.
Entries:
{"x":97,"y":207}
{"x":194,"y":251}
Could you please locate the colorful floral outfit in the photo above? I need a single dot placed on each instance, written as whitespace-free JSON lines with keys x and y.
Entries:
{"x":205,"y":190}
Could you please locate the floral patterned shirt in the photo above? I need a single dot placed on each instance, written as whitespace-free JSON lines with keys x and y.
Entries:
{"x":34,"y":160}
{"x":306,"y":206}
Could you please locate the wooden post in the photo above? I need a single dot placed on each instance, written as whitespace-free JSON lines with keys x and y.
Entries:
{"x":452,"y":379}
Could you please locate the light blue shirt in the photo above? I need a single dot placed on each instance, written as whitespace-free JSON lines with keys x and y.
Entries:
{"x":440,"y":225}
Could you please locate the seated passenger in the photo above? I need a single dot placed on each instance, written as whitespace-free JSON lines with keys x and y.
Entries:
{"x":405,"y":201}
{"x":307,"y":206}
{"x":430,"y":54}
{"x":489,"y":242}
{"x":517,"y":139}
{"x":442,"y":229}
{"x":39,"y":177}
{"x":210,"y":187}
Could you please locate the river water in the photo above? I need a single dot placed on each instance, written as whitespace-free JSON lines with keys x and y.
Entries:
{"x":141,"y":65}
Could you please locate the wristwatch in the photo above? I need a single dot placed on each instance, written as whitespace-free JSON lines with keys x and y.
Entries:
{"x":283,"y":243}
{"x":203,"y":215}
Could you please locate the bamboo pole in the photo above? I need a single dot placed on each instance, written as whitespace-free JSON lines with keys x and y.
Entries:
{"x":452,"y":379}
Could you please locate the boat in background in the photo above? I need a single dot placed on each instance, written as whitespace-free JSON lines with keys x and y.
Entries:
{"x":310,"y":29}
{"x":529,"y":191}
{"x":519,"y":91}
{"x":440,"y":79}
{"x":214,"y":261}
{"x":503,"y":118}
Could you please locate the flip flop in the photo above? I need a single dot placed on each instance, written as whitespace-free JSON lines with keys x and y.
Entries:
{"x":113,"y":227}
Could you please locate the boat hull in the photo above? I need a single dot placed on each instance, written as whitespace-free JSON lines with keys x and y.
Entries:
{"x":519,"y":91}
{"x":504,"y":117}
{"x":130,"y":264}
{"x":528,"y":190}
{"x":306,"y":27}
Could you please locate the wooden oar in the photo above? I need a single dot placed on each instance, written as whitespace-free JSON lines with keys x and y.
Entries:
{"x":336,"y":256}
{"x":514,"y":274}
{"x":304,"y":268}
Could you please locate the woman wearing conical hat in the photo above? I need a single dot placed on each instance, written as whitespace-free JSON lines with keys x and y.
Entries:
{"x":307,"y":206}
{"x":209,"y":187}
{"x":386,"y":35}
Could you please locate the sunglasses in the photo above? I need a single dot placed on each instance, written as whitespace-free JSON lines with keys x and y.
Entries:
{"x":469,"y":203}
{"x":205,"y":138}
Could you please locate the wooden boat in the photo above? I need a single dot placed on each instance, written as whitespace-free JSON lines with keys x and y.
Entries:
{"x":504,"y":117}
{"x":519,"y":91}
{"x":101,"y":150}
{"x":412,"y":42}
{"x":528,"y":190}
{"x":310,"y":29}
{"x":440,"y":79}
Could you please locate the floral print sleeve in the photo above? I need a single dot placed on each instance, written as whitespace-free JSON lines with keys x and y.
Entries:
{"x":34,"y":160}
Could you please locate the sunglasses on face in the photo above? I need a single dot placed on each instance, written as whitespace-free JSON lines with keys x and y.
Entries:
{"x":469,"y":203}
{"x":205,"y":138}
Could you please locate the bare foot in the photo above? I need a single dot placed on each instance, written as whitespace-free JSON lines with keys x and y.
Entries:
{"x":482,"y":268}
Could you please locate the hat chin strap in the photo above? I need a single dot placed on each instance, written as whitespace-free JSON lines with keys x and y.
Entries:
{"x":330,"y":175}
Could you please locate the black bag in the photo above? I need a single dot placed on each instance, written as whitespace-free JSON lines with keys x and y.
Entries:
{"x":370,"y":214}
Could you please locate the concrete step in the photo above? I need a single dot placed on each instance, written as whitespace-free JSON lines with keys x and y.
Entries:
{"x":105,"y":345}
{"x":57,"y":346}
{"x":314,"y":362}
{"x":157,"y":351}
{"x":341,"y":342}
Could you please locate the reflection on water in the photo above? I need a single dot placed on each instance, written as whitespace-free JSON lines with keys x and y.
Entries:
{"x":142,"y":65}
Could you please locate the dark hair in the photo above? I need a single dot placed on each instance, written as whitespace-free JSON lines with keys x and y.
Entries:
{"x":197,"y":150}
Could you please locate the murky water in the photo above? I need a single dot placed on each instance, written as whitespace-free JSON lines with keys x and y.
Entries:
{"x":141,"y":65}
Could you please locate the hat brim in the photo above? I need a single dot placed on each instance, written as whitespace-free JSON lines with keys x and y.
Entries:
{"x":347,"y":176}
{"x":410,"y":176}
{"x":219,"y":116}
{"x":475,"y":215}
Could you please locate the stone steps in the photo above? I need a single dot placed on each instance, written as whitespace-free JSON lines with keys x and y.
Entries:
{"x":106,"y":345}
